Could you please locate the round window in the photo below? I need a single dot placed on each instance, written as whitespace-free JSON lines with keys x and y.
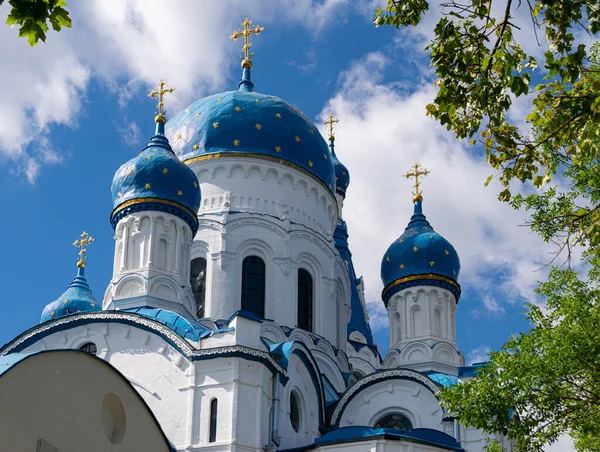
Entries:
{"x":294,"y":412}
{"x":396,"y":421}
{"x":89,"y":347}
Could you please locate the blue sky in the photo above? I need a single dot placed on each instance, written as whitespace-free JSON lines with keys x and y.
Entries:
{"x":76,"y":108}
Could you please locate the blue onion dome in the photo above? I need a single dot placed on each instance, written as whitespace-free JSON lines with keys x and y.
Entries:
{"x":248,"y":124}
{"x":156,"y":180}
{"x":342,"y":176}
{"x":78,"y":296}
{"x":420,"y":256}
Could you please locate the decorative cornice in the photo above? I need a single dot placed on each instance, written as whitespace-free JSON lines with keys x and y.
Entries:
{"x":177,"y":341}
{"x":218,"y":155}
{"x":188,"y":216}
{"x":375,"y":378}
{"x":413,"y":280}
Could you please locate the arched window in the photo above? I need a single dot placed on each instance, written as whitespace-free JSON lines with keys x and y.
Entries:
{"x":89,"y":347}
{"x":294,"y":412}
{"x":305,"y":300}
{"x":198,"y":283}
{"x":395,"y":420}
{"x":253,"y":285}
{"x":212,"y":434}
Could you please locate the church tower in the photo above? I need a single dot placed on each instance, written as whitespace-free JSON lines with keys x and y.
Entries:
{"x":155,"y":199}
{"x":420,"y":272}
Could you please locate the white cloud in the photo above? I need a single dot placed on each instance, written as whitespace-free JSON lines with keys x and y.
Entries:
{"x":478,"y":355}
{"x":128,"y":46}
{"x":383,"y":130}
{"x":131,"y":134}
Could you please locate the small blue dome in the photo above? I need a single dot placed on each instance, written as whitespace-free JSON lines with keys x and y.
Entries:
{"x":77,"y":298}
{"x":342,"y":176}
{"x":249,"y":124}
{"x":420,"y":256}
{"x":156,"y":180}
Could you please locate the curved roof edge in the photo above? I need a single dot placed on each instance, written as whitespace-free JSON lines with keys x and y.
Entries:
{"x":38,"y":332}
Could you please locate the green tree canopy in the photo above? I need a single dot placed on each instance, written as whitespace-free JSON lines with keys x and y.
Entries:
{"x":545,"y":382}
{"x":32,"y":17}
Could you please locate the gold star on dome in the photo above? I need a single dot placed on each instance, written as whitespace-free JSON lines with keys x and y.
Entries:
{"x":236,"y":142}
{"x":277,"y":148}
{"x":425,"y":228}
{"x":401,"y":266}
{"x":258,"y":126}
{"x":92,"y":304}
{"x":130,"y":172}
{"x":119,"y":194}
{"x":312,"y":132}
{"x":195,"y":147}
{"x":336,"y":178}
{"x":219,"y":99}
{"x":148,"y":186}
{"x":178,"y":137}
{"x":85,"y":293}
{"x":401,"y":240}
{"x":215,"y":125}
{"x":343,"y":173}
{"x":197,"y":114}
{"x":195,"y":184}
{"x":387,"y":258}
{"x":66,"y":301}
{"x":415,"y":249}
{"x":310,"y":163}
{"x":446,"y":251}
{"x":165,"y":170}
{"x":297,"y":138}
{"x":430,"y":237}
{"x":257,"y":100}
{"x":238,"y":109}
{"x":179,"y":193}
{"x":454,"y":272}
{"x":148,"y":157}
{"x":53,"y":314}
{"x":281,"y":161}
{"x":277,"y":115}
{"x":325,"y":156}
{"x":432,"y":263}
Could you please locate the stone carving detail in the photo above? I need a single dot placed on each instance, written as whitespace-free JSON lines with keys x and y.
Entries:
{"x":379,"y":376}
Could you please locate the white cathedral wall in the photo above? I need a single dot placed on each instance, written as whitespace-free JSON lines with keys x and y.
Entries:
{"x":288,"y":224}
{"x":267,"y":188}
{"x":423,"y":330}
{"x":152,"y":261}
{"x":393,"y":396}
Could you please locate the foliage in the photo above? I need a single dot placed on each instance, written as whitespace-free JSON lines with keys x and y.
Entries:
{"x":548,"y":380}
{"x":545,"y":382}
{"x":32,"y":16}
{"x":481,"y":69}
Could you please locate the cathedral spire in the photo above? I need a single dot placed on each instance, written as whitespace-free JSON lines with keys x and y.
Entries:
{"x":246,"y":84}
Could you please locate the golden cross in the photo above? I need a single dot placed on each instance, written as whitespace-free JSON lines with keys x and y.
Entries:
{"x":331,"y":121}
{"x":160,"y":93}
{"x":84,"y":239}
{"x":416,"y":173}
{"x":246,"y":32}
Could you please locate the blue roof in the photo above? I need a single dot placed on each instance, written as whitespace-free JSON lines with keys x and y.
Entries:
{"x":342,"y":175}
{"x":77,"y":298}
{"x":419,"y":256}
{"x":250,"y":124}
{"x":186,"y":328}
{"x":425,"y":435}
{"x":445,"y":380}
{"x":331,"y":395}
{"x":156,"y":180}
{"x":470,"y":371}
{"x":358,"y":321}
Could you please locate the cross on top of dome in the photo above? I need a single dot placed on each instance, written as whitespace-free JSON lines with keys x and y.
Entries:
{"x":416,"y":172}
{"x":84,"y":239}
{"x":160,"y":93}
{"x":246,"y":32}
{"x":331,"y":121}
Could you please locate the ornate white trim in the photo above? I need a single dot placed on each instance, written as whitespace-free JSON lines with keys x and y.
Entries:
{"x":380,"y":376}
{"x":187,"y":349}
